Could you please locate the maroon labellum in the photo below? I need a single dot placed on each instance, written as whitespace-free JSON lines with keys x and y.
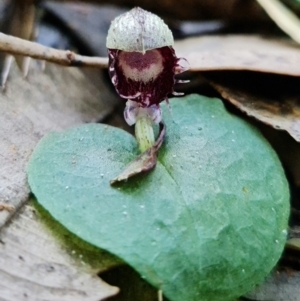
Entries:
{"x":142,"y":62}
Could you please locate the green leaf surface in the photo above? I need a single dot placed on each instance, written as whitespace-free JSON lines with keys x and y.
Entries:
{"x":207,"y":224}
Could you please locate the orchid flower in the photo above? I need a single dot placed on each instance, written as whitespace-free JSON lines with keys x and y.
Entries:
{"x":142,"y":63}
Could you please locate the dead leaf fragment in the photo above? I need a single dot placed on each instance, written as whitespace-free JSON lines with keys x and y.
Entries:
{"x":144,"y":162}
{"x":288,"y":150}
{"x":241,"y":52}
{"x":34,"y":266}
{"x":272,"y":114}
{"x":294,"y":243}
{"x":194,"y":9}
{"x":52,"y":100}
{"x":270,"y":99}
{"x":19,"y":21}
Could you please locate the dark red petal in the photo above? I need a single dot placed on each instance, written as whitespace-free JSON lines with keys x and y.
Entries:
{"x":146,"y":78}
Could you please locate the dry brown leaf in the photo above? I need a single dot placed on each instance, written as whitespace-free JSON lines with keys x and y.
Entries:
{"x":194,"y":9}
{"x":35,"y":266}
{"x":273,"y":100}
{"x":54,"y":100}
{"x":240,"y":52}
{"x":282,"y":116}
{"x":19,"y":21}
{"x":294,"y":243}
{"x":89,"y":22}
{"x":288,"y":150}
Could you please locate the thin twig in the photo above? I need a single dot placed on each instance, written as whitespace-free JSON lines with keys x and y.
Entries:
{"x":17,"y":46}
{"x":283,"y":17}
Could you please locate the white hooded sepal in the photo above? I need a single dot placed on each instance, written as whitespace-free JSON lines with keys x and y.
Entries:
{"x":138,"y":31}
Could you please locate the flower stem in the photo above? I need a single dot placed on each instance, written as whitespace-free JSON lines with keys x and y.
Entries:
{"x":144,"y":133}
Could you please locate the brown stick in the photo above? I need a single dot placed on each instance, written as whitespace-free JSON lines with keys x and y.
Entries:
{"x":193,"y":9}
{"x":17,"y":46}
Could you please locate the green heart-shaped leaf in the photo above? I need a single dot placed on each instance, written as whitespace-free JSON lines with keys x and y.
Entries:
{"x":207,"y":224}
